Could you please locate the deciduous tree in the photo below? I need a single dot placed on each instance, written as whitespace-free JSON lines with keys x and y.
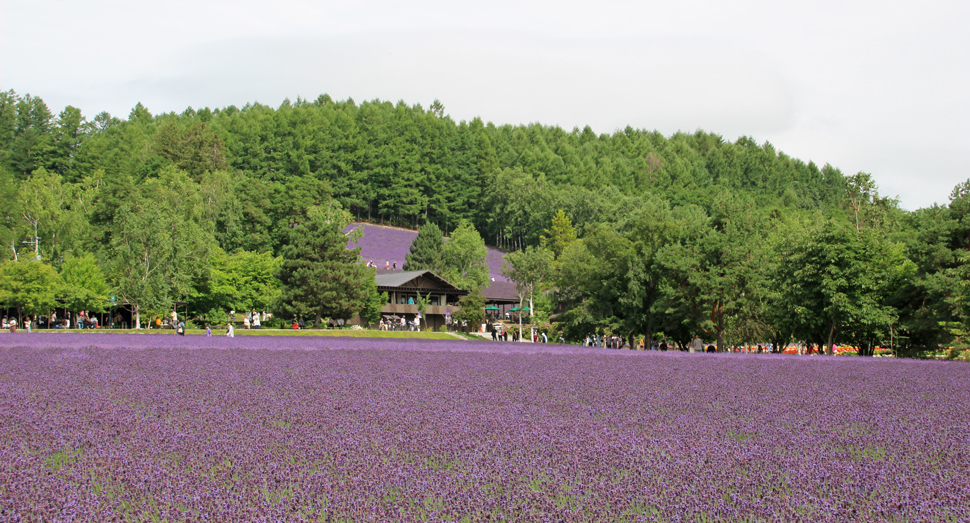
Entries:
{"x":465,"y":258}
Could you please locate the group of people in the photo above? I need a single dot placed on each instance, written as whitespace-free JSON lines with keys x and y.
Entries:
{"x":83,"y":320}
{"x":611,"y":341}
{"x":11,"y":323}
{"x":402,"y":323}
{"x":501,"y":334}
{"x":388,"y":265}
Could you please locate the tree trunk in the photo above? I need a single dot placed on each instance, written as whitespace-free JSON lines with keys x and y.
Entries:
{"x":531,"y":313}
{"x":137,"y":318}
{"x":831,"y":339}
{"x":648,"y":336}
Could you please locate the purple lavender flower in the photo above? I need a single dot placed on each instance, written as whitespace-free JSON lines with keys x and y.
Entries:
{"x":101,"y":427}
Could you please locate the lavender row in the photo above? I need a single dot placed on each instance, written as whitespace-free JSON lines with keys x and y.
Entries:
{"x":100,"y":428}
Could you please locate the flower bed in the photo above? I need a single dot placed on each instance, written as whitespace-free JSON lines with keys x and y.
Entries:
{"x":100,"y":427}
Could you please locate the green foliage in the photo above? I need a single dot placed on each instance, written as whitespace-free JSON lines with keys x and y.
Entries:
{"x":157,"y":242}
{"x":652,"y":235}
{"x":427,"y":251}
{"x":319,"y":276}
{"x":9,"y":214}
{"x":465,"y":258}
{"x":561,"y":235}
{"x":472,"y":308}
{"x":421,"y":304}
{"x":371,"y":313}
{"x":712,"y":269}
{"x":528,"y":268}
{"x":29,"y":286}
{"x":836,"y":281}
{"x":241,"y":281}
{"x":84,"y":286}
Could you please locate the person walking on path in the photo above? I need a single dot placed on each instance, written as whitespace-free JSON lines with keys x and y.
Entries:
{"x":229,"y":332}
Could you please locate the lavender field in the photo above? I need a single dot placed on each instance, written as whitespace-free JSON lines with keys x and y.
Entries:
{"x":163,"y":428}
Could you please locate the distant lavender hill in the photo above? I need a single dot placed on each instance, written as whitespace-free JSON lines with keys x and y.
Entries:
{"x":381,"y":244}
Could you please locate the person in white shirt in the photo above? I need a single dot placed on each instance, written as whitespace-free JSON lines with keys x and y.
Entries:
{"x":229,"y":332}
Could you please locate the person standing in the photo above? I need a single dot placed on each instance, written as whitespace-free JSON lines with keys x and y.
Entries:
{"x":27,"y":323}
{"x":208,"y":331}
{"x":256,"y":323}
{"x":229,"y":332}
{"x":696,"y":345}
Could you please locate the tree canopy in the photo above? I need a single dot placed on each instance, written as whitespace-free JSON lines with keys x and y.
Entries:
{"x":319,"y":276}
{"x":651,"y":235}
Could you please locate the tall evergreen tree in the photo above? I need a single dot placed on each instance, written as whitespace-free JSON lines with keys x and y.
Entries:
{"x":427,"y":250}
{"x":320,"y":277}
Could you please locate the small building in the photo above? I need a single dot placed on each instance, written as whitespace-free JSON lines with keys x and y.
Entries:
{"x":402,"y":289}
{"x":501,"y":298}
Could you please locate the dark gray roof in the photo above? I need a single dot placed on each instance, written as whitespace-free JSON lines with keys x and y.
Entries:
{"x":500,"y":291}
{"x":396,"y":279}
{"x":399,"y":279}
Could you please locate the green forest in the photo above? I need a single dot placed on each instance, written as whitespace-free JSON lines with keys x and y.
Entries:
{"x":647,"y":235}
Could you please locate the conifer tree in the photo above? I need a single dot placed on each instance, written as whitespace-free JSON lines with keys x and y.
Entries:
{"x":320,"y":277}
{"x":427,"y":250}
{"x":561,"y":235}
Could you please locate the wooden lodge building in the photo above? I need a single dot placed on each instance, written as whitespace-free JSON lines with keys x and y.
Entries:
{"x":402,"y":289}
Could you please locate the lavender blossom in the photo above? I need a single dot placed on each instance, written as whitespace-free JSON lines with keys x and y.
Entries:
{"x":102,"y":427}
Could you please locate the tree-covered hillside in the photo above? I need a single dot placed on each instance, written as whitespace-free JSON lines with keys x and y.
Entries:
{"x":406,"y":165}
{"x":651,"y":235}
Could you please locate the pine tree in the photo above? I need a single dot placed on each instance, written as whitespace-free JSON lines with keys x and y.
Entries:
{"x":561,"y":235}
{"x":320,"y":276}
{"x":427,"y":250}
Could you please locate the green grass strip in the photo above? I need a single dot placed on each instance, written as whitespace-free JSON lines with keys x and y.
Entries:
{"x":347,"y":333}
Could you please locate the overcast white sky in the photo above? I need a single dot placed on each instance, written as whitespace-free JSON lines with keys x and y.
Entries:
{"x":875,"y":86}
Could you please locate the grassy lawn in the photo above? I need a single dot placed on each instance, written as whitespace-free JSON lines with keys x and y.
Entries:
{"x":221,"y":331}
